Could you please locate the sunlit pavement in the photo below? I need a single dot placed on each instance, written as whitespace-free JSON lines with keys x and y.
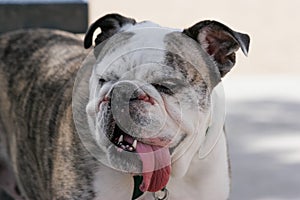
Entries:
{"x":263,"y":126}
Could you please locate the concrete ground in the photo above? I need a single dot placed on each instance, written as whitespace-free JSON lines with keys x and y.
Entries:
{"x":263,"y":125}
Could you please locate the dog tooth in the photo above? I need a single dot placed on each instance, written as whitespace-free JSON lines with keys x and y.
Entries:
{"x":130,"y":149}
{"x":120,"y":139}
{"x":134,"y":144}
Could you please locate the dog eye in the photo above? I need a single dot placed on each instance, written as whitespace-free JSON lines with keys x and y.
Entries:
{"x":162,"y":88}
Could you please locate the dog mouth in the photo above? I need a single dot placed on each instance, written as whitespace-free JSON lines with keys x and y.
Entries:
{"x":122,"y":140}
{"x":155,"y":159}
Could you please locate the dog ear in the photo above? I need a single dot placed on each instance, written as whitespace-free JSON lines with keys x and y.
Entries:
{"x":109,"y":25}
{"x":220,"y":42}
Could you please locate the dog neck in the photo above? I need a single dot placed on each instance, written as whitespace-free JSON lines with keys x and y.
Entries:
{"x":112,"y":184}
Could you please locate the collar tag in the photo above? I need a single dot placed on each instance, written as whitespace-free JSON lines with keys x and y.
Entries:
{"x":161,"y":195}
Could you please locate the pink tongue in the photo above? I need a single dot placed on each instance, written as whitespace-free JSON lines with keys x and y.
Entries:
{"x":156,"y":167}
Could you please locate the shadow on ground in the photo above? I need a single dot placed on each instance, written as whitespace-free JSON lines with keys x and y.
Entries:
{"x":264,"y":142}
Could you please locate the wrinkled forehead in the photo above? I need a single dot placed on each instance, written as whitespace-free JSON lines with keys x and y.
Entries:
{"x":150,"y":44}
{"x":134,"y":39}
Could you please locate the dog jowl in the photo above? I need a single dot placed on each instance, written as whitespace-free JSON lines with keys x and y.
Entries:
{"x":147,"y":104}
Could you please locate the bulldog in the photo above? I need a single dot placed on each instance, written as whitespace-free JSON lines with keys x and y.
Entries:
{"x":140,"y":116}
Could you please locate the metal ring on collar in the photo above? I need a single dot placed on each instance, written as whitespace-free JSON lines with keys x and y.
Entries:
{"x":161,"y":195}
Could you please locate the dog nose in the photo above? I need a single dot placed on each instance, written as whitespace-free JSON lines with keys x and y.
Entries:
{"x":134,"y":110}
{"x":127,"y":91}
{"x":146,"y":98}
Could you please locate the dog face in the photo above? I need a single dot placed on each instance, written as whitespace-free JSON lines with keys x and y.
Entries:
{"x":150,"y":91}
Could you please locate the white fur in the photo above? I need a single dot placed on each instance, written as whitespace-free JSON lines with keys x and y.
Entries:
{"x":206,"y":178}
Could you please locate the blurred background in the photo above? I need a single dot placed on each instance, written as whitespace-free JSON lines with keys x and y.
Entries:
{"x":263,"y":89}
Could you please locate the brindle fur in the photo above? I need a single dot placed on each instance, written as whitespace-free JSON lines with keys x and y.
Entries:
{"x":37,"y":72}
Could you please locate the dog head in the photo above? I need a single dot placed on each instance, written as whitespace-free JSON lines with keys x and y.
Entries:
{"x":150,"y":91}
